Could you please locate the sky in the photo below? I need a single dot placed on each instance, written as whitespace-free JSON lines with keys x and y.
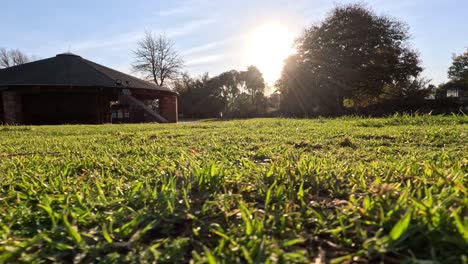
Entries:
{"x":215,"y":36}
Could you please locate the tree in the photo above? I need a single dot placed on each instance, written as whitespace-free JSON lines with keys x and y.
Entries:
{"x":184,"y":86}
{"x":352,"y":54}
{"x":254,"y":82}
{"x":198,"y":97}
{"x":156,"y":58}
{"x":14,"y":57}
{"x":414,"y":89}
{"x":227,"y":88}
{"x":458,"y":71}
{"x":458,"y":74}
{"x":301,"y":94}
{"x":232,"y":93}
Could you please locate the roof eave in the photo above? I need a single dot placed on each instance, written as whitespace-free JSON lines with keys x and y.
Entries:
{"x":7,"y":85}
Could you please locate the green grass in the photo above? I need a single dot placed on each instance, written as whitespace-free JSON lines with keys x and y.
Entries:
{"x":250,"y":191}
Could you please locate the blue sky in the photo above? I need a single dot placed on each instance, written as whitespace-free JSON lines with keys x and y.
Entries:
{"x":211,"y":35}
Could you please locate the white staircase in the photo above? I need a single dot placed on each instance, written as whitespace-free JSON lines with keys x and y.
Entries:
{"x":127,"y":98}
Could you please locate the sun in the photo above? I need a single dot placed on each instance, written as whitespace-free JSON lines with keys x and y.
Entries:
{"x":267,"y":47}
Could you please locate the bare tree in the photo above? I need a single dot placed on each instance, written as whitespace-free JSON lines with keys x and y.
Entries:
{"x":157,"y":59}
{"x":4,"y":58}
{"x":10,"y":58}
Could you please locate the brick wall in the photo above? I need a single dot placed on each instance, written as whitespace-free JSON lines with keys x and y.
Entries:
{"x":168,"y":108}
{"x":12,"y":108}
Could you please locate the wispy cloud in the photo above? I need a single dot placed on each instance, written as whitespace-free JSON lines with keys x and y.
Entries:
{"x":204,"y":59}
{"x":120,"y":40}
{"x":189,"y":27}
{"x":175,"y":11}
{"x":184,"y":7}
{"x":202,"y":48}
{"x":128,"y":39}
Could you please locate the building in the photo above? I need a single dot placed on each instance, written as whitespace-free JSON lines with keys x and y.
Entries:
{"x":457,"y":92}
{"x":68,"y":89}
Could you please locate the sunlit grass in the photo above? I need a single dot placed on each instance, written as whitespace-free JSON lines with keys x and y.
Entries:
{"x":251,"y":191}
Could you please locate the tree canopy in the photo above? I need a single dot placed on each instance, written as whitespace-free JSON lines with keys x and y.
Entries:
{"x":353,"y":54}
{"x":458,"y":75}
{"x":458,"y":71}
{"x":157,"y":59}
{"x":230,"y":94}
{"x":13,"y":57}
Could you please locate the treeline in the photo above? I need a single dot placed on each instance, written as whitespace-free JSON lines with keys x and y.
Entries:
{"x":353,"y":62}
{"x":231,"y":94}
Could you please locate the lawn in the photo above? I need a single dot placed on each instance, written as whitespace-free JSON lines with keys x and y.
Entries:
{"x":250,"y":191}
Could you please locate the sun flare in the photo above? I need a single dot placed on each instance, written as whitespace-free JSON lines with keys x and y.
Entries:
{"x":267,"y":48}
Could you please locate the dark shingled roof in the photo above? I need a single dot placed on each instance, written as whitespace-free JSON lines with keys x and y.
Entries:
{"x":68,"y":69}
